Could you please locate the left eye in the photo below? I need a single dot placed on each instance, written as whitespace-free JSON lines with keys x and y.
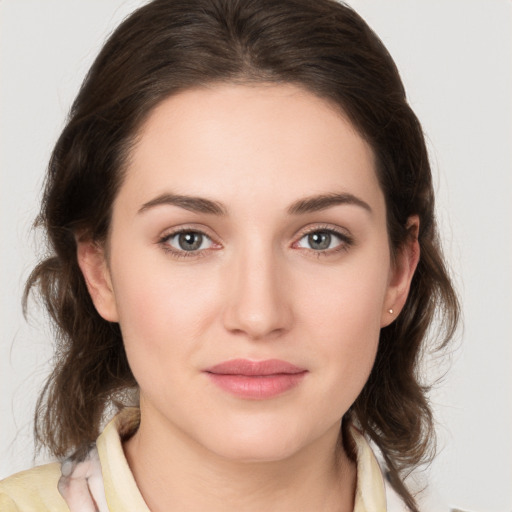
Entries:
{"x":320,"y":240}
{"x":189,"y":241}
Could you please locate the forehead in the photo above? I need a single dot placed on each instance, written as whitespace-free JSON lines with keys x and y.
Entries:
{"x":239,"y":142}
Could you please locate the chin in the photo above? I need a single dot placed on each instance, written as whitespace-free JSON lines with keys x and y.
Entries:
{"x":266,"y":442}
{"x":259,"y":451}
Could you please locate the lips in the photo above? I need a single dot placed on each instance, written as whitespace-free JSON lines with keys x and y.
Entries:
{"x":256,"y":380}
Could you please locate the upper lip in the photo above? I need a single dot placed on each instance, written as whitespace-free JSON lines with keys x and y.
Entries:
{"x":254,"y":368}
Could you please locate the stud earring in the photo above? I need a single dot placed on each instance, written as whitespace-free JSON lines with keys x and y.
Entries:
{"x":390,"y":311}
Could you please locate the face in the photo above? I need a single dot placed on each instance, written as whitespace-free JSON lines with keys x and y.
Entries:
{"x":249,"y":268}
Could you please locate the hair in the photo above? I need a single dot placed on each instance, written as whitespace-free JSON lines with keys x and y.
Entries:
{"x":168,"y":46}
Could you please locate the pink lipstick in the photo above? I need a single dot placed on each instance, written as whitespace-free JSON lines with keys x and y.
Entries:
{"x":256,"y":380}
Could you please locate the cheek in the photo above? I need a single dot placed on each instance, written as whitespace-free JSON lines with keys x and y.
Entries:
{"x":162,"y":312}
{"x":349,"y":340}
{"x":348,"y":301}
{"x":342,"y":320}
{"x":345,"y":357}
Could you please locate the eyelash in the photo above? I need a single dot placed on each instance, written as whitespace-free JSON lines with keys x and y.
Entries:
{"x":346,"y":242}
{"x":179,"y":254}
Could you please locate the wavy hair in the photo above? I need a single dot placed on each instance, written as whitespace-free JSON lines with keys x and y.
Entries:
{"x":168,"y":46}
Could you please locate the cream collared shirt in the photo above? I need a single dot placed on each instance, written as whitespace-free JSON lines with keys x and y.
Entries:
{"x":103,"y":482}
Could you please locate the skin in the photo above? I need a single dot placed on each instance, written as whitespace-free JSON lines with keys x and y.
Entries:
{"x":255,"y":289}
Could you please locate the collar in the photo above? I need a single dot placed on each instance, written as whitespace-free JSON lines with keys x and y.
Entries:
{"x":107,"y":464}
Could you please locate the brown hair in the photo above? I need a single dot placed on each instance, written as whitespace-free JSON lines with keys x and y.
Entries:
{"x":168,"y":46}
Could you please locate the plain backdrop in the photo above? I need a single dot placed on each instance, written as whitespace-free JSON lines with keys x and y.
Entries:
{"x":455,"y":57}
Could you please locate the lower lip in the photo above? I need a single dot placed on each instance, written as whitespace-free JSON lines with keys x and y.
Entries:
{"x":257,"y":387}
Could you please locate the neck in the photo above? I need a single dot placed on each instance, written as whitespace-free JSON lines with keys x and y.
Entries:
{"x":174,"y":472}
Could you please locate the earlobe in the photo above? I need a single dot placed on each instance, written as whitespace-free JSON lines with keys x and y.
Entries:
{"x":93,"y":264}
{"x":404,"y":266}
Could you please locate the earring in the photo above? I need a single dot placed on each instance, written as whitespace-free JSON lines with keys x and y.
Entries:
{"x":390,"y":311}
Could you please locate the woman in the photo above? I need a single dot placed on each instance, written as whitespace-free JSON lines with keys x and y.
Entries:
{"x":245,"y":249}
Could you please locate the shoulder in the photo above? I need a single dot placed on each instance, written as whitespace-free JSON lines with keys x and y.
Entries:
{"x":59,"y":488}
{"x":33,"y":490}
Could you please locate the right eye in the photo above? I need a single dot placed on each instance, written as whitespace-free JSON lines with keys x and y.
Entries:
{"x":187,"y":241}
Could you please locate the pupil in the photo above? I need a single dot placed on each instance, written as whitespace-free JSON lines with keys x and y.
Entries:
{"x":319,"y":240}
{"x":190,"y":241}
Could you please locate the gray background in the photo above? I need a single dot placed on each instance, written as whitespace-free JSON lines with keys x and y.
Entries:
{"x":455,"y":58}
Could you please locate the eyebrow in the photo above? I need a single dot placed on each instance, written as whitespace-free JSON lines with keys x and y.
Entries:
{"x":194,"y":204}
{"x":306,"y":205}
{"x":324,"y":201}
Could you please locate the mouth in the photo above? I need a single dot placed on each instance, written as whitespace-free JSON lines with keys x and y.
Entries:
{"x":256,"y":380}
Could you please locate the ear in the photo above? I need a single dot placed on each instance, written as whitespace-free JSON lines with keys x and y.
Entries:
{"x":401,"y":274}
{"x":93,"y":264}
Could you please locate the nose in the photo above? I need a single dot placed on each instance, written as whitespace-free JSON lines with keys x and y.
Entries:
{"x":259,"y":304}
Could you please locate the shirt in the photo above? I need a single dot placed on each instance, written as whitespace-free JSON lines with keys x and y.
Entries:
{"x":103,"y":482}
